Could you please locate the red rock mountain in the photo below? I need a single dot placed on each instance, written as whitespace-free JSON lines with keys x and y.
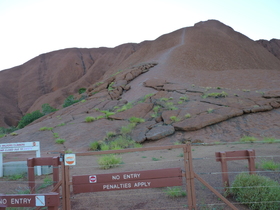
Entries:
{"x":207,"y":54}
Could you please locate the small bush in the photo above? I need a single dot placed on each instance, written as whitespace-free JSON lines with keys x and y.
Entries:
{"x":46,"y":182}
{"x":107,"y":113}
{"x":14,"y":134}
{"x":110,"y":134}
{"x":46,"y":109}
{"x":17,"y":176}
{"x":69,"y":101}
{"x":94,"y":146}
{"x":127,"y":129}
{"x":175,"y":192}
{"x":248,"y":139}
{"x":184,"y":98}
{"x":59,"y":141}
{"x":163,"y":99}
{"x":136,"y":120}
{"x":270,"y":165}
{"x":175,"y":119}
{"x":257,"y":192}
{"x":29,"y":118}
{"x":109,"y":161}
{"x":82,"y":90}
{"x":216,"y":95}
{"x":89,"y":119}
{"x":125,"y":107}
{"x":55,"y":135}
{"x":110,"y":88}
{"x":46,"y":129}
{"x":188,"y":115}
{"x":156,"y":108}
{"x":210,"y":110}
{"x":7,"y":130}
{"x":269,"y":140}
{"x":61,"y":124}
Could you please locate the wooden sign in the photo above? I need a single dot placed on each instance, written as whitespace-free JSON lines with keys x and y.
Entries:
{"x":29,"y":200}
{"x":127,"y":180}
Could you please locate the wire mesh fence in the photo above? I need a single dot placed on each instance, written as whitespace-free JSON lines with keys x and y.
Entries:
{"x":267,"y":162}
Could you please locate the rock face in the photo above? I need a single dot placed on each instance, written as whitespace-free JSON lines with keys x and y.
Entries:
{"x":207,"y":83}
{"x":273,"y":46}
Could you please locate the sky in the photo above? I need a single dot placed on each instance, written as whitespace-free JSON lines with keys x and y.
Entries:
{"x":33,"y":27}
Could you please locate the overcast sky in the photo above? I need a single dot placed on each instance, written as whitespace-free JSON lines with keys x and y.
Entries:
{"x":33,"y":27}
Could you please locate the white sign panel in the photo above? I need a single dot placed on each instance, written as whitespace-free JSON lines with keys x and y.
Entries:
{"x":40,"y":200}
{"x":70,"y":159}
{"x":20,"y":147}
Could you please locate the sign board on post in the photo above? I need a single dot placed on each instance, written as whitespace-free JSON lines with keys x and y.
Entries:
{"x":19,"y":147}
{"x":127,"y":180}
{"x":70,"y":159}
{"x":29,"y":200}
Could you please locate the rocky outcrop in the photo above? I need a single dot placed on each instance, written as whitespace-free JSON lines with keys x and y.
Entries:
{"x":273,"y":46}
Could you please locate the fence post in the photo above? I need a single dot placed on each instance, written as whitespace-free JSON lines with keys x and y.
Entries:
{"x":251,"y":161}
{"x":65,"y":185}
{"x":31,"y":175}
{"x":224,"y":170}
{"x":189,"y":177}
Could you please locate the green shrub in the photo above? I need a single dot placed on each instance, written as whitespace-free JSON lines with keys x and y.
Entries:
{"x":258,"y":192}
{"x":270,"y":165}
{"x":122,"y":142}
{"x":248,"y":139}
{"x":156,"y":108}
{"x":110,"y":88}
{"x":216,"y":95}
{"x":17,"y":176}
{"x":107,"y":113}
{"x":59,"y":141}
{"x":155,"y":159}
{"x":89,"y":119}
{"x":184,"y":98}
{"x":188,"y":115}
{"x":100,"y":117}
{"x":46,"y":109}
{"x":61,"y":124}
{"x":69,"y":101}
{"x":110,"y":134}
{"x":163,"y":99}
{"x":175,"y":192}
{"x":14,"y":134}
{"x":109,"y":161}
{"x":104,"y":147}
{"x":46,"y":129}
{"x":29,"y":118}
{"x":127,"y":129}
{"x":7,"y":130}
{"x":136,"y":120}
{"x":55,"y":135}
{"x":82,"y":90}
{"x":269,"y":140}
{"x":2,"y":135}
{"x":125,"y":107}
{"x":175,"y":119}
{"x":95,"y":146}
{"x":210,"y":110}
{"x":46,"y":182}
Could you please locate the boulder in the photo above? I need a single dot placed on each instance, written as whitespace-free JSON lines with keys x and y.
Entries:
{"x":139,"y":110}
{"x":160,"y":132}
